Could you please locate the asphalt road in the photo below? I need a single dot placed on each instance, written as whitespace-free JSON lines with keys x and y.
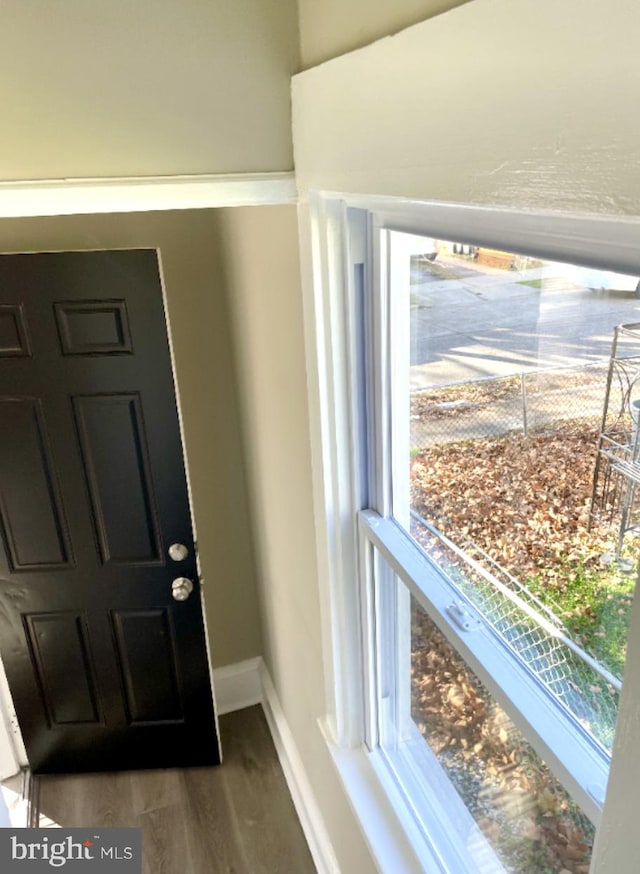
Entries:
{"x":469,"y":322}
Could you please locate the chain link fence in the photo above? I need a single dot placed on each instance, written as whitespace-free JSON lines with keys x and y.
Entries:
{"x":535,"y":635}
{"x":525,"y":403}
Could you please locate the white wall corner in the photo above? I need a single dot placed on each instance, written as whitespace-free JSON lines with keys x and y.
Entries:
{"x":237,"y":686}
{"x":300,"y":787}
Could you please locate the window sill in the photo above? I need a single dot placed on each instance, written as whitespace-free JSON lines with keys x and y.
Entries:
{"x":396,"y":843}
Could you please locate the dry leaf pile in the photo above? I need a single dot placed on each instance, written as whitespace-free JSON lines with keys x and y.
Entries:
{"x":432,"y":403}
{"x":524,"y":501}
{"x":517,"y":803}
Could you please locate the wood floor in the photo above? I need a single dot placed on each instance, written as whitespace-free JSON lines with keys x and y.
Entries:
{"x":234,"y":819}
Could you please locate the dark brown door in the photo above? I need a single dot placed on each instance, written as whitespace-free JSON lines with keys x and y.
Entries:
{"x":107,"y":669}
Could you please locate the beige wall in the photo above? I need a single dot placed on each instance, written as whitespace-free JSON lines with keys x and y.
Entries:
{"x":332,"y":27}
{"x":191,"y":262}
{"x":262,"y":274}
{"x":522,"y":103}
{"x":151,"y":87}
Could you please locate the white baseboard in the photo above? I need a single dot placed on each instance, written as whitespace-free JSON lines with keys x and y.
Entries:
{"x":247,"y":683}
{"x":302,"y":794}
{"x":237,"y":686}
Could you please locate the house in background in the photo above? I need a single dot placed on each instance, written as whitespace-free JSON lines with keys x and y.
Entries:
{"x":171,"y":126}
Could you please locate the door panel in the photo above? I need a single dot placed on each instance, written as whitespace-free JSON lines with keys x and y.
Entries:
{"x":106,"y":669}
{"x":145,"y":641}
{"x":123,"y":504}
{"x":93,"y":327}
{"x":59,"y":648}
{"x":33,"y":527}
{"x":14,"y":341}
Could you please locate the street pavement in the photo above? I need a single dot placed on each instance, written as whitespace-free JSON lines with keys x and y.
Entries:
{"x":484,"y":322}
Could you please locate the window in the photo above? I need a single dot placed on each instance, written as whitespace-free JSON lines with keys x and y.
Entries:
{"x":484,"y":707}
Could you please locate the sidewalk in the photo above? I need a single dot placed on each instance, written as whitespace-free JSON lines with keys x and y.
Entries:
{"x":490,"y":323}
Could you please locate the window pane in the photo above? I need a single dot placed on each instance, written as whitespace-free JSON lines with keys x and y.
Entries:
{"x":523,"y":453}
{"x":531,"y":631}
{"x":523,"y":811}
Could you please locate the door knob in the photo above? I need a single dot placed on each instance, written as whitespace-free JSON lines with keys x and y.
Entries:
{"x":181,"y":588}
{"x":178,"y":551}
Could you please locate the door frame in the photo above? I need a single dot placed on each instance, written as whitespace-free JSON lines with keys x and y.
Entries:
{"x":133,"y":194}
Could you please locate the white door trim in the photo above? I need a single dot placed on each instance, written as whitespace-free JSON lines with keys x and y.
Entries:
{"x":41,"y":197}
{"x":12,"y":752}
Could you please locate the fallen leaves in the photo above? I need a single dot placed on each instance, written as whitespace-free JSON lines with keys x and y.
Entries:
{"x":524,"y":501}
{"x":517,"y":803}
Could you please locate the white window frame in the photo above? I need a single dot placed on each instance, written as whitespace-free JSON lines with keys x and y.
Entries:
{"x":345,"y":231}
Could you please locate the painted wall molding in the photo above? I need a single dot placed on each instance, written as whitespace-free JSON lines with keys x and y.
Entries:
{"x":143,"y":194}
{"x":298,"y":782}
{"x":246,"y":683}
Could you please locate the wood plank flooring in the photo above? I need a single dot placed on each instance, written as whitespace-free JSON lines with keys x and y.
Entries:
{"x":234,"y":819}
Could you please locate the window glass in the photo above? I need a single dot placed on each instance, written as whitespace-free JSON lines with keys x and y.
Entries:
{"x":461,"y":759}
{"x":516,"y":407}
{"x":522,"y":810}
